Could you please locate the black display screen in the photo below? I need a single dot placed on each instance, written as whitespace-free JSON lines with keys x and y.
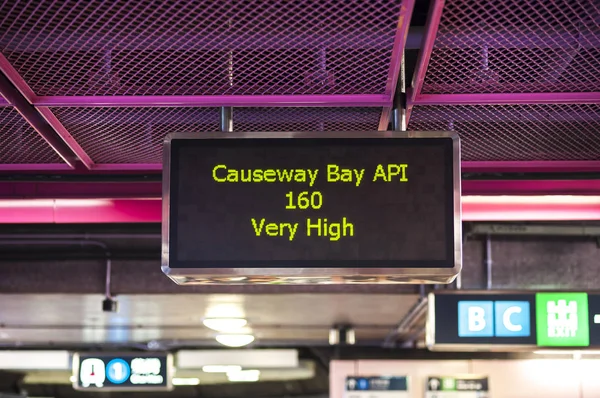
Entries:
{"x":122,"y":372}
{"x":311,"y":202}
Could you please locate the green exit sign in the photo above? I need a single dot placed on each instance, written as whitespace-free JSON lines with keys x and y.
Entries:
{"x":562,"y":319}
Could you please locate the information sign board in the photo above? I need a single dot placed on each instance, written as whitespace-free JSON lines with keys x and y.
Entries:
{"x":376,"y":387}
{"x":466,"y":386}
{"x":312,"y":208}
{"x":507,"y":321}
{"x":122,"y":372}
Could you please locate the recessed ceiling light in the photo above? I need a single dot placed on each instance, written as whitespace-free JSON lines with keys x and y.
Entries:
{"x":185,"y":381}
{"x":225,"y":324}
{"x":221,"y":368}
{"x":244,"y":376}
{"x":235,"y":340}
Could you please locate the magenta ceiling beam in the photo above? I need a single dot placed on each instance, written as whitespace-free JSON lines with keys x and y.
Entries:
{"x":431,"y":28}
{"x":153,"y":189}
{"x":531,"y":166}
{"x":10,"y":92}
{"x":531,"y":187}
{"x":507,"y":98}
{"x":345,"y":100}
{"x":79,"y":190}
{"x":10,"y":167}
{"x":77,"y":211}
{"x":56,"y":132}
{"x":128,"y":167}
{"x":16,"y":79}
{"x":109,"y":211}
{"x":66,"y":136}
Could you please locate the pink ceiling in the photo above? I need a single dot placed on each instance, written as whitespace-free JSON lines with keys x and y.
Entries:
{"x":518,"y":80}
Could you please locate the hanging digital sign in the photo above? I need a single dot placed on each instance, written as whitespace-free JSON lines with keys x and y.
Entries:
{"x":310,"y":208}
{"x":122,"y":372}
{"x":513,"y":321}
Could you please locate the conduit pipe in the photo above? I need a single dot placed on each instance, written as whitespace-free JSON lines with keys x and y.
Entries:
{"x":108,"y":305}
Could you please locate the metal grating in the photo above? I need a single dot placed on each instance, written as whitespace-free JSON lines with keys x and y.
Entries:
{"x":242,"y":47}
{"x":516,"y":46}
{"x":517,"y":132}
{"x":132,"y":135}
{"x":20,"y":143}
{"x":306,"y":119}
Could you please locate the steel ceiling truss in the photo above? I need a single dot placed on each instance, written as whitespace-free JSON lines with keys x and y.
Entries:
{"x":510,"y":63}
{"x":112,"y":78}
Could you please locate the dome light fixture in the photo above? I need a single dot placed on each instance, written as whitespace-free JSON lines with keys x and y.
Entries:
{"x":185,"y":381}
{"x":225,"y":324}
{"x":235,"y":340}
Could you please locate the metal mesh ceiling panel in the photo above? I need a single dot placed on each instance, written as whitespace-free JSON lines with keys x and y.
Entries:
{"x":20,"y":143}
{"x":510,"y":46}
{"x":306,"y":119}
{"x":248,"y":47}
{"x":517,"y":132}
{"x":132,"y":135}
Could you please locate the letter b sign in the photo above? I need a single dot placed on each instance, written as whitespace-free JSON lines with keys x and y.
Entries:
{"x":475,"y":319}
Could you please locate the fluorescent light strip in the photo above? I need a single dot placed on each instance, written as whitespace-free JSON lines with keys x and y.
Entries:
{"x":244,"y":376}
{"x":221,"y":368}
{"x":35,"y":360}
{"x":185,"y":381}
{"x":540,"y":199}
{"x":567,"y":352}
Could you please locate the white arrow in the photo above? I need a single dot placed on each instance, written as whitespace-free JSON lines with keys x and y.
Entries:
{"x":434,"y":384}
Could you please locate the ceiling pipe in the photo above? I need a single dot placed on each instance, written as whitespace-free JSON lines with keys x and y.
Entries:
{"x":534,"y":230}
{"x":227,"y":119}
{"x":409,"y":320}
{"x":488,"y":261}
{"x":108,"y":304}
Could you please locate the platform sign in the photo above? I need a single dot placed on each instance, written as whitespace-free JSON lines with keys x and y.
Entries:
{"x":376,"y":387}
{"x":122,"y":372}
{"x":312,"y":208}
{"x":513,"y":321}
{"x":467,"y":386}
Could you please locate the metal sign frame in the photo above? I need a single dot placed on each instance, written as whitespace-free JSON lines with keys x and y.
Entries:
{"x":169,"y":375}
{"x":486,"y":347}
{"x":296,"y":276}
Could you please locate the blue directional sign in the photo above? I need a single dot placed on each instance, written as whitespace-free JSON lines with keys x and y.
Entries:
{"x":481,"y":319}
{"x":123,"y":372}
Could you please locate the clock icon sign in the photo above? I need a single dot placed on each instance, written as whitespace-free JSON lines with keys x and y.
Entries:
{"x":117,"y":371}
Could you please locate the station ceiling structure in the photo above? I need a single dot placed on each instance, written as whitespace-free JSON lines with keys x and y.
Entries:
{"x":95,"y":86}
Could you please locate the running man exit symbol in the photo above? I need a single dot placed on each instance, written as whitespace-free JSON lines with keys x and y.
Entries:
{"x":434,"y":384}
{"x":562,"y":318}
